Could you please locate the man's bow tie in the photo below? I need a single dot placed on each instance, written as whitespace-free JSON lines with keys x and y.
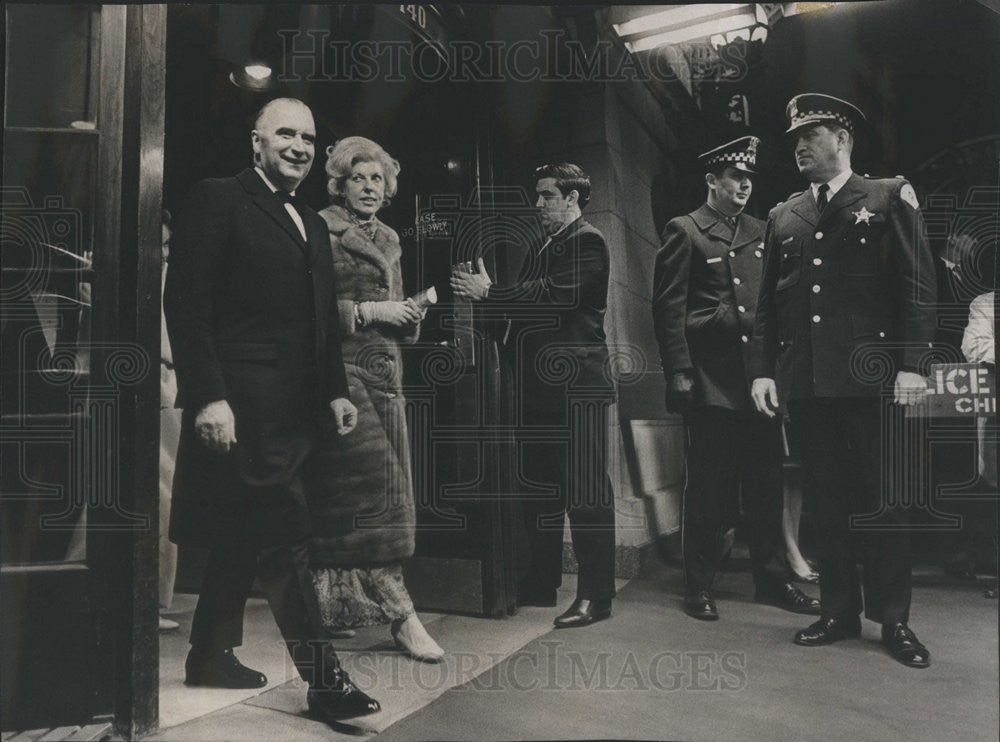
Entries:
{"x":288,"y":198}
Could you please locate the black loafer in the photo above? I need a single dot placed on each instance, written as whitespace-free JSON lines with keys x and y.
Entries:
{"x":584,"y":612}
{"x":904,"y":646}
{"x":341,"y":699}
{"x":220,"y":670}
{"x":828,"y":631}
{"x":789,"y":598}
{"x":701,"y":606}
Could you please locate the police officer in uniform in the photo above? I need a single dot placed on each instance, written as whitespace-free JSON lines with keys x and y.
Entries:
{"x":704,"y":300}
{"x":845,"y":318}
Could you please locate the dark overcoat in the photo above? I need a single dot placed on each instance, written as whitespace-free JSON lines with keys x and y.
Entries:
{"x":359,"y":486}
{"x":705,"y":286}
{"x":252,"y":319}
{"x":847,"y":298}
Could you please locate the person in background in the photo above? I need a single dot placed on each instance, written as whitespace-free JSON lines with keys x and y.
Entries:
{"x":360,"y":488}
{"x":704,"y":297}
{"x":557,"y":306}
{"x":979,"y":346}
{"x":170,"y":434}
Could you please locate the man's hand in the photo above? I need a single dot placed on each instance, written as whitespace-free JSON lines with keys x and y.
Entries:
{"x":471,"y":286}
{"x":216,"y":426}
{"x":680,"y":392}
{"x":909,"y":388}
{"x":764,"y":394}
{"x":394,"y":313}
{"x":345,"y":413}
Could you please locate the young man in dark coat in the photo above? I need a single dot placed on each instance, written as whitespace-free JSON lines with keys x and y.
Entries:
{"x":558,"y":305}
{"x":704,"y":298}
{"x":253,"y":325}
{"x":845,"y":319}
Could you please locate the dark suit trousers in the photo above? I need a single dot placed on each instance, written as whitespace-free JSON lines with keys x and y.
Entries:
{"x":568,"y":470}
{"x":284,"y":575}
{"x":732,"y":452}
{"x":842,"y":442}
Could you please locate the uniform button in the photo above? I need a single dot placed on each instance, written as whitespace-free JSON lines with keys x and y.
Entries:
{"x":737,"y":281}
{"x":881,"y":334}
{"x":758,"y":253}
{"x":863,"y":240}
{"x":819,"y":235}
{"x":741,"y":308}
{"x":817,"y":261}
{"x":816,"y":318}
{"x":732,"y":254}
{"x":816,"y":288}
{"x":745,"y":339}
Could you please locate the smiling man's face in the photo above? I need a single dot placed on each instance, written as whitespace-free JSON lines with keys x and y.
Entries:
{"x":284,"y":143}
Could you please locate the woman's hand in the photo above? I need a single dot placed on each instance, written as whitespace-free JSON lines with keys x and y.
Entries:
{"x":393,"y":313}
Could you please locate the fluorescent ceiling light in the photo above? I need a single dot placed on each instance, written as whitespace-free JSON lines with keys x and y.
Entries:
{"x":690,"y":33}
{"x":676,"y":17}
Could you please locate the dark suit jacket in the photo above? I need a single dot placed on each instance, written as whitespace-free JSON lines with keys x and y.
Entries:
{"x":705,"y":287}
{"x":557,"y":308}
{"x":847,"y":298}
{"x":252,"y":318}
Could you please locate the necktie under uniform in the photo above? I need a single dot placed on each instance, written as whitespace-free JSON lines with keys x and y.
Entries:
{"x":821,"y":198}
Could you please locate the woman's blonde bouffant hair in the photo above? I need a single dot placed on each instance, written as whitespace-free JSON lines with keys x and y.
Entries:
{"x":348,"y":152}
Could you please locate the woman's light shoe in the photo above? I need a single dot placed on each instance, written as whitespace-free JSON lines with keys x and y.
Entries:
{"x":411,"y":636}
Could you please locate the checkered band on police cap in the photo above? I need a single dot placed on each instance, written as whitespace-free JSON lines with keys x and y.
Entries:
{"x":815,"y":108}
{"x":740,"y":153}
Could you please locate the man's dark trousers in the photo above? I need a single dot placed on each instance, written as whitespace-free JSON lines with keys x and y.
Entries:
{"x":846,"y":463}
{"x":732,"y":452}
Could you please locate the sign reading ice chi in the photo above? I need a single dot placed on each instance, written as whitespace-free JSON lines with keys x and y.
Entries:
{"x":959,"y":390}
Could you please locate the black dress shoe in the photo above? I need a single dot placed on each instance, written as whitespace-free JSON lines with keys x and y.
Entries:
{"x":828,"y":631}
{"x":904,"y":646}
{"x":220,"y":670}
{"x":584,"y":612}
{"x":701,"y":606}
{"x":790,"y":598}
{"x":341,"y":699}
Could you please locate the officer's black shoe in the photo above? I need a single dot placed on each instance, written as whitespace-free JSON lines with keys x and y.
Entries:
{"x":790,"y":598}
{"x":904,"y":646}
{"x":220,"y":670}
{"x":584,"y":612}
{"x":340,"y":699}
{"x":701,"y":606}
{"x":828,"y":631}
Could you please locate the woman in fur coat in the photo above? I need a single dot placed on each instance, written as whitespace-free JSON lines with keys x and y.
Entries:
{"x":360,"y":489}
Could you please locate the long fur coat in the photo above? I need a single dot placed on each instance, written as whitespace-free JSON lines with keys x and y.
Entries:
{"x":359,"y":486}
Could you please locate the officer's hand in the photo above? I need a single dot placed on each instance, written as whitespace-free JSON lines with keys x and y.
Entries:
{"x":680,"y":392}
{"x":215,"y":426}
{"x":764,"y":394}
{"x":345,"y":414}
{"x":910,"y":388}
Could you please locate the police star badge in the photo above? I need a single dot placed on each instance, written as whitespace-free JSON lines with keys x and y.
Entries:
{"x":863,"y":215}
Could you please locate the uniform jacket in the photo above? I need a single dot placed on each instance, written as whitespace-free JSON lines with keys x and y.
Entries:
{"x":705,"y":287}
{"x":847,"y":298}
{"x":359,"y":487}
{"x":253,"y":320}
{"x":557,"y":307}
